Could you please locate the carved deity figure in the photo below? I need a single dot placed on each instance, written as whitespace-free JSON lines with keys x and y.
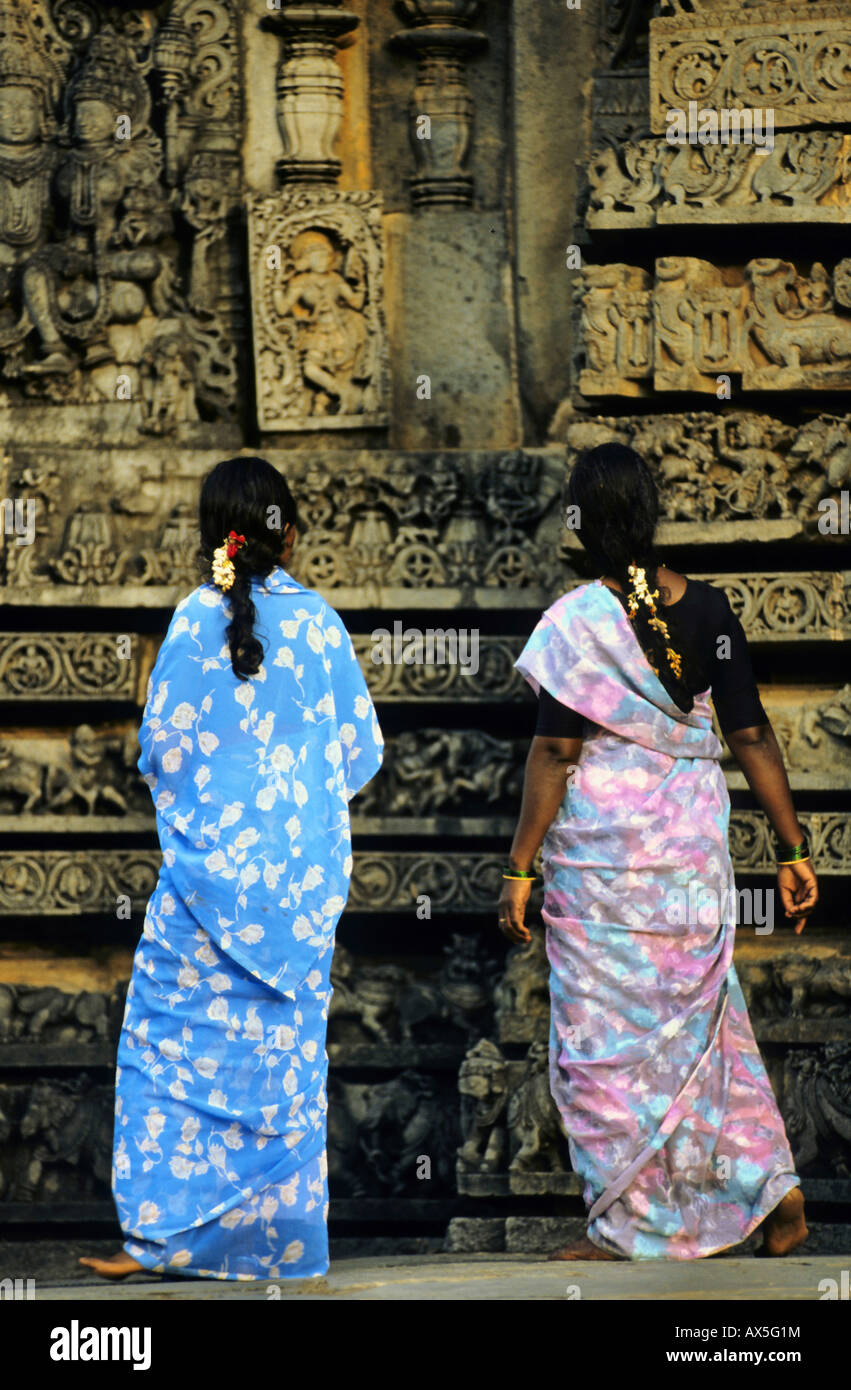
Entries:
{"x":327,"y":306}
{"x":109,"y":205}
{"x":791,"y":316}
{"x":763,"y":473}
{"x":29,"y":88}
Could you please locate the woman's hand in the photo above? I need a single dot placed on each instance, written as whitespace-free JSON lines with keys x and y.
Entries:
{"x":798,"y":891}
{"x":512,"y":909}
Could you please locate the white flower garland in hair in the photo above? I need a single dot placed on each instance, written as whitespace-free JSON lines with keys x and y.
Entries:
{"x":641,"y":591}
{"x":223,"y":570}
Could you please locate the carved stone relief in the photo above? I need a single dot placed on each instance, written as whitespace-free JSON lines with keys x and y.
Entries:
{"x":619,"y":107}
{"x":714,"y":467}
{"x":388,"y":1004}
{"x":67,"y":666}
{"x":378,"y":1132}
{"x":63,"y":882}
{"x":394,"y":530}
{"x":805,"y":177}
{"x":87,"y":778}
{"x":117,"y":141}
{"x":817,"y":1106}
{"x":87,"y":773}
{"x":56,"y":1018}
{"x":320,"y":348}
{"x":795,"y":62}
{"x":813,"y":728}
{"x":444,"y":770}
{"x":511,"y":1138}
{"x":772,"y":326}
{"x":57,"y":1140}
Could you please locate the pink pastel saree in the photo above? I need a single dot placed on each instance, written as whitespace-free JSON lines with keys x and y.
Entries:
{"x":671,"y":1120}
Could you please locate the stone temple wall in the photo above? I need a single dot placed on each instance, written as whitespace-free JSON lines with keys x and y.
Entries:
{"x":514,"y":263}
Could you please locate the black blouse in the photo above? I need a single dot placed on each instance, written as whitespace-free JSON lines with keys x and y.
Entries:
{"x":696,"y":622}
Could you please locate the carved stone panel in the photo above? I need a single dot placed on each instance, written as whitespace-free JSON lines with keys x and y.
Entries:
{"x":773,"y":326}
{"x":79,"y":666}
{"x":794,"y":61}
{"x":57,"y":1140}
{"x":697,"y":325}
{"x":382,"y":529}
{"x":760,"y":474}
{"x":320,"y":349}
{"x":805,"y":177}
{"x":616,"y":330}
{"x":619,"y":107}
{"x":70,"y":882}
{"x":511,"y":1138}
{"x":118,"y":169}
{"x":68,"y":666}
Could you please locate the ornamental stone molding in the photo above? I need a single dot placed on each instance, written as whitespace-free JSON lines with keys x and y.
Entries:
{"x":393,"y":530}
{"x":768,"y":324}
{"x":71,"y":882}
{"x":805,"y":178}
{"x":317,"y":283}
{"x":495,"y":681}
{"x":430,"y":530}
{"x":795,"y":60}
{"x":39,"y":666}
{"x":80,"y":666}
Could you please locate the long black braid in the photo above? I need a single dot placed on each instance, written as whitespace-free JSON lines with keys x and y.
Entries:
{"x":618,"y":503}
{"x":249,"y":496}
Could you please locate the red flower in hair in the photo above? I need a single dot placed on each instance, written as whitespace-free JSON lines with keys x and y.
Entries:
{"x":235,"y":543}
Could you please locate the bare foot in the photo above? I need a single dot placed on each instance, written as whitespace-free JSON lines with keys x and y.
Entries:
{"x":116,"y":1267}
{"x":583,"y":1249}
{"x":784,"y":1228}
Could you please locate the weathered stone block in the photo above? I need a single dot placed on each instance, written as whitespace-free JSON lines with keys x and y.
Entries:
{"x":469,"y":1235}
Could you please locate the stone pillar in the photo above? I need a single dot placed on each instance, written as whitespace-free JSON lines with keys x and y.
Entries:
{"x":441,"y":108}
{"x":550,"y":141}
{"x":309,"y":88}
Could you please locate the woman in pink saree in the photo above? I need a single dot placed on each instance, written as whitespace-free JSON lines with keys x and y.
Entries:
{"x":670,"y":1117}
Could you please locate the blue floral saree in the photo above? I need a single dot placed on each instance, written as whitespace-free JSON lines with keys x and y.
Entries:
{"x":219,"y":1157}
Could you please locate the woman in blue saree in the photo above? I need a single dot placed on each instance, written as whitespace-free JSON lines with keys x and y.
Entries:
{"x":257,"y":732}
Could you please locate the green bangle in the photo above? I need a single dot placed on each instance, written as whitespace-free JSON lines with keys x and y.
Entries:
{"x":517,"y":874}
{"x":795,"y":854}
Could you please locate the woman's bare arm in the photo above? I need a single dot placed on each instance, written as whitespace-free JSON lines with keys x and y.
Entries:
{"x":547,"y":766}
{"x":758,"y":754}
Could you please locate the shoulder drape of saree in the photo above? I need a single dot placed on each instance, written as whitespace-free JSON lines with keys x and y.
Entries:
{"x":251,"y":779}
{"x":586,"y":654}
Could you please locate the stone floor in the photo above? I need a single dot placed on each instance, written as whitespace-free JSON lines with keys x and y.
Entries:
{"x":511,"y":1277}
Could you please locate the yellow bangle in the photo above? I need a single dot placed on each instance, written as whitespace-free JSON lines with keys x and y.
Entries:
{"x":520,"y":878}
{"x":783,"y":862}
